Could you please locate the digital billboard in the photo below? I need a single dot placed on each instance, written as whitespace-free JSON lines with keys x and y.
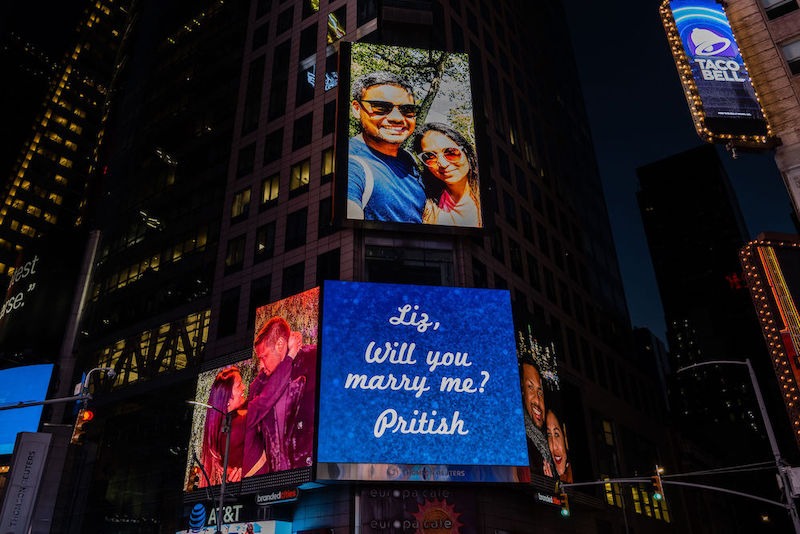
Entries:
{"x":270,"y":397}
{"x":718,"y":88}
{"x":394,"y":510}
{"x":772,"y":270}
{"x":21,"y":384}
{"x":545,"y":414}
{"x":420,"y":383}
{"x":411,"y":138}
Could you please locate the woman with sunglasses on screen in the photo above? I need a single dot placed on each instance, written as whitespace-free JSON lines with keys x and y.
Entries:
{"x":450,"y":173}
{"x":227,"y":394}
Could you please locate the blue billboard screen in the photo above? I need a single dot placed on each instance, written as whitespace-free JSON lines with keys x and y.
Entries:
{"x":419,"y":383}
{"x":729,"y":102}
{"x":21,"y":384}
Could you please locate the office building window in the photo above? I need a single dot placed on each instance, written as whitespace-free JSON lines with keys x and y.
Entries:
{"x":285,"y":20}
{"x":296,"y":228}
{"x":293,"y":279}
{"x":299,"y":176}
{"x":328,"y":266}
{"x":409,"y":266}
{"x":331,"y":71}
{"x":329,"y":118}
{"x":252,"y":99}
{"x":776,"y":8}
{"x":280,"y":80}
{"x":791,"y":52}
{"x":228,"y":312}
{"x":308,"y":42}
{"x":241,"y":205}
{"x":480,"y":276}
{"x":325,"y":224}
{"x":301,"y":134}
{"x":269,"y":191}
{"x":306,"y":81}
{"x":265,"y":242}
{"x":234,"y":257}
{"x":259,"y":296}
{"x":261,"y":36}
{"x":263,"y":7}
{"x":328,"y":165}
{"x":273,"y":146}
{"x":336,"y":25}
{"x":247,"y":159}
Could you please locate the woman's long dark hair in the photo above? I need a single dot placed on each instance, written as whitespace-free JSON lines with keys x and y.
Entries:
{"x":213,"y":440}
{"x":435,"y":187}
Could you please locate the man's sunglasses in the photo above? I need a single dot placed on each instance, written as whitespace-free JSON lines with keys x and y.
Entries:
{"x":383,"y":108}
{"x":453,"y":154}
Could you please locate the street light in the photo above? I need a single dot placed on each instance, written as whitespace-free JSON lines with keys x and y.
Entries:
{"x":226,"y":429}
{"x":783,"y":472}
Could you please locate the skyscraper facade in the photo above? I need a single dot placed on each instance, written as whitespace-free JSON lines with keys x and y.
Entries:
{"x":218,"y":193}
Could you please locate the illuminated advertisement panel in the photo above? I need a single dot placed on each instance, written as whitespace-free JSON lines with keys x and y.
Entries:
{"x":772,"y":270}
{"x":546,"y":421}
{"x":719,"y":90}
{"x":270,"y":398}
{"x":411,"y":139}
{"x":28,"y":383}
{"x":420,"y":383}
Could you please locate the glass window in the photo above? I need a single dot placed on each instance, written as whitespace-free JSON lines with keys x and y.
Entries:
{"x":263,"y":7}
{"x":325,"y":223}
{"x":329,"y":118}
{"x":328,"y":266}
{"x":331,"y":71}
{"x":261,"y":36}
{"x":228,"y":312}
{"x":791,"y":52}
{"x":234,"y":257}
{"x":252,"y":100}
{"x":246,"y":161}
{"x":296,"y":229}
{"x":273,"y":146}
{"x":776,"y":8}
{"x":328,"y":165}
{"x":336,"y":22}
{"x":301,"y":134}
{"x":285,"y":20}
{"x":265,"y":242}
{"x":241,"y":204}
{"x":299,"y":176}
{"x":259,"y":296}
{"x":293,"y":279}
{"x":306,"y":81}
{"x":308,"y":42}
{"x":269,"y":190}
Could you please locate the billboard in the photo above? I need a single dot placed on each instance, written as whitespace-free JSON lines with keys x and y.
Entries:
{"x":395,"y":510}
{"x":411,"y":138}
{"x":720,"y":93}
{"x":21,"y":384}
{"x":270,"y":398}
{"x":772,"y":270}
{"x":421,"y":383}
{"x":545,"y":415}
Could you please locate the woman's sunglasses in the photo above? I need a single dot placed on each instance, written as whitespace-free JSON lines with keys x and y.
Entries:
{"x":383,"y":108}
{"x":453,"y":154}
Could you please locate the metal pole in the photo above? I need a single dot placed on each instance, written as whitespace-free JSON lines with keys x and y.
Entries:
{"x":780,"y":464}
{"x":226,"y":428}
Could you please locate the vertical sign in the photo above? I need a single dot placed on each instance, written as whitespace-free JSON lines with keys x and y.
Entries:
{"x":30,"y":455}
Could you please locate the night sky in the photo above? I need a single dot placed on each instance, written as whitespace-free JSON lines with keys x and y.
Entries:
{"x":638,"y":115}
{"x":636,"y":110}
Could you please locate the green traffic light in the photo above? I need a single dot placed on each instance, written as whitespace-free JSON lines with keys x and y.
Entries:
{"x":657,"y":496}
{"x":564,"y":512}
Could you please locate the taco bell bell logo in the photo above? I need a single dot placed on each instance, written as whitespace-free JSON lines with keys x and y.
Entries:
{"x":714,"y":55}
{"x":706,"y":42}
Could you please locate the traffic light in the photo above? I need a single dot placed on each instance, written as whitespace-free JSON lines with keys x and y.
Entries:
{"x":563,"y":499}
{"x":84,"y":416}
{"x":658,"y":488}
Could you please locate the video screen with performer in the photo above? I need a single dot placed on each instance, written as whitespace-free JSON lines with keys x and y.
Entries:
{"x":269,"y":398}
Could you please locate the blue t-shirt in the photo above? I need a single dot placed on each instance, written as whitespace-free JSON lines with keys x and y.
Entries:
{"x":397,"y":192}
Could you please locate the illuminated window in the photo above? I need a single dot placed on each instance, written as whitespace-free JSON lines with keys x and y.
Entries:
{"x":70,"y":145}
{"x":75,"y":128}
{"x":33,"y":210}
{"x":613,"y":494}
{"x":80,"y":113}
{"x":60,"y":120}
{"x":241,"y":204}
{"x":55,"y":198}
{"x":269,"y":190}
{"x":328,"y":164}
{"x":299,"y":176}
{"x":60,"y":179}
{"x":608,"y":433}
{"x":49,"y":217}
{"x":64,"y":162}
{"x":27,"y":230}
